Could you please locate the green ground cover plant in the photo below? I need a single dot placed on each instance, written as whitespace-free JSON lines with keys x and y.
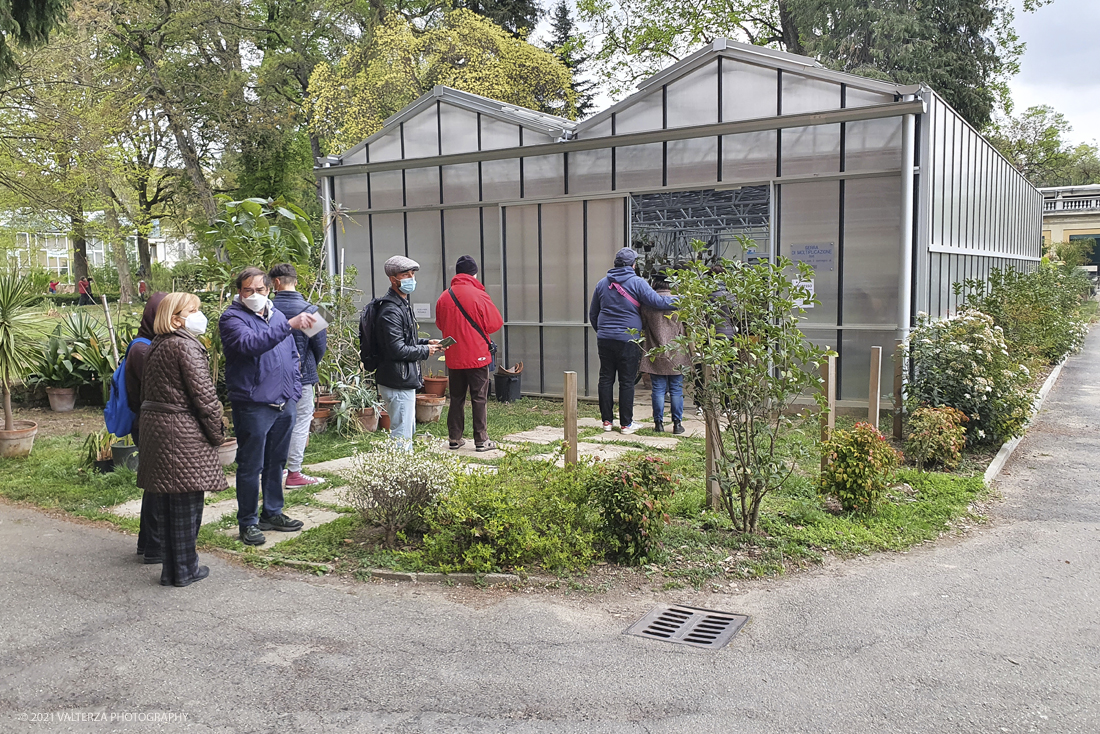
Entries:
{"x":860,"y":466}
{"x":936,"y":437}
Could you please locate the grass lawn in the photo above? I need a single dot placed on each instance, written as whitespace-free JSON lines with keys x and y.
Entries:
{"x":699,"y":546}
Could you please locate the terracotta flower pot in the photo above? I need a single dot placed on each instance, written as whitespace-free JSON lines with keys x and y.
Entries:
{"x":62,"y":399}
{"x":227,"y":452}
{"x":326,"y":401}
{"x":383,"y":421}
{"x":429,"y":408}
{"x":320,"y":420}
{"x":435,"y":386}
{"x":19,"y":440}
{"x":368,"y":418}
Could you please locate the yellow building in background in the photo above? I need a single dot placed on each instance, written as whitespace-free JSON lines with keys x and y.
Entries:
{"x":1072,"y":213}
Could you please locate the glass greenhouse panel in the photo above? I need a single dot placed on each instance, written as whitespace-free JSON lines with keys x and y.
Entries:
{"x":692,"y":162}
{"x":814,"y":149}
{"x":386,"y":190}
{"x":491,"y":275}
{"x":422,"y":134}
{"x":424,"y":247}
{"x":461,"y":236}
{"x":351,"y":192}
{"x":422,"y":186}
{"x":590,"y":171}
{"x":563,"y":292}
{"x":804,"y":94}
{"x":748,"y":91}
{"x":873,"y":145}
{"x":354,"y":240}
{"x":459,"y":129}
{"x":693,"y":98}
{"x":543,"y":176}
{"x":855,"y":365}
{"x":521,"y":253}
{"x":563,"y":350}
{"x":642,"y":115}
{"x":523,"y":346}
{"x":872,"y":229}
{"x":460,"y":184}
{"x":639,"y":167}
{"x":388,"y":236}
{"x":749,"y":156}
{"x":810,"y":227}
{"x":598,"y":130}
{"x":387,"y":147}
{"x":500,"y":180}
{"x":498,"y":134}
{"x":606,"y":236}
{"x":863,"y":98}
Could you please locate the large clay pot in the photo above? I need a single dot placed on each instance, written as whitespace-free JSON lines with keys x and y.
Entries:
{"x":383,"y":421}
{"x":320,"y":420}
{"x":19,"y":440}
{"x":429,"y":408}
{"x":62,"y":399}
{"x":326,"y":401}
{"x":122,"y":455}
{"x":368,"y":418}
{"x":227,"y":452}
{"x":435,"y":386}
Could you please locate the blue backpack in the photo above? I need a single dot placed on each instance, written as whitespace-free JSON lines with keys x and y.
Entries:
{"x":117,"y":415}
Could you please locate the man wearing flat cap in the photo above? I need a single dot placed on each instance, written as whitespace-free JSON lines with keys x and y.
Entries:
{"x":400,"y":348}
{"x":467,"y":313}
{"x":616,"y":316}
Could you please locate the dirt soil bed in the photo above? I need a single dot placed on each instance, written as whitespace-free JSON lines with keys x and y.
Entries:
{"x":81,"y":420}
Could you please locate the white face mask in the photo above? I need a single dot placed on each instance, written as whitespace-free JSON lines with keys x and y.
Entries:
{"x":256,"y":302}
{"x":196,"y":323}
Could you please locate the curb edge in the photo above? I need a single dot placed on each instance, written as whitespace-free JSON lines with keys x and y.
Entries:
{"x":1009,"y":447}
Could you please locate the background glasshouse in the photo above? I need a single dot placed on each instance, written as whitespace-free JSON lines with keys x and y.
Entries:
{"x":734,"y":141}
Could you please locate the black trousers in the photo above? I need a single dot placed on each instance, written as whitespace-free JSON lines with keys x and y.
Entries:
{"x":179,"y":516}
{"x":475,"y":380}
{"x":148,"y":532}
{"x":620,"y":358}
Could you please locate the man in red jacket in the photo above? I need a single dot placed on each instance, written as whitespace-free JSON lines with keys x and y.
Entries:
{"x":469,"y":358}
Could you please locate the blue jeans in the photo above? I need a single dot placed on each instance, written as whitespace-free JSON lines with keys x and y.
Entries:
{"x":263,"y":440}
{"x":674,"y":385}
{"x":401,"y":405}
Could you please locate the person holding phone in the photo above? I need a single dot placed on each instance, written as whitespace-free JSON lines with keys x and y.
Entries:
{"x":466,"y":314}
{"x":311,"y":349}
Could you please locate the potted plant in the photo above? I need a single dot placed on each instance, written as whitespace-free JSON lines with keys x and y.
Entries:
{"x":60,"y":372}
{"x":97,"y":451}
{"x":435,"y":383}
{"x":429,"y":407}
{"x":227,"y":452}
{"x":359,"y":406}
{"x":18,"y":356}
{"x":124,"y":453}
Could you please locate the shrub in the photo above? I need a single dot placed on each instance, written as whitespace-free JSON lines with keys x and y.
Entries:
{"x":1039,"y":312}
{"x":936,"y":436}
{"x":391,"y":486}
{"x":527,"y":513}
{"x":963,"y":362}
{"x":860,"y":464}
{"x":633,"y":496}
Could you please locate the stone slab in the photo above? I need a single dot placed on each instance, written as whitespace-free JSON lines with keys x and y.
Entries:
{"x":654,"y":442}
{"x":218,"y":510}
{"x":334,"y":466}
{"x":311,"y":517}
{"x":332,"y":496}
{"x":538,"y":434}
{"x":603,"y":452}
{"x":127,"y":509}
{"x":469,"y":451}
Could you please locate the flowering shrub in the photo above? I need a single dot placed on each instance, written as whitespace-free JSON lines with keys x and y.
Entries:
{"x":633,"y":496}
{"x":391,"y":486}
{"x":860,"y":464}
{"x":936,"y":436}
{"x":963,"y":362}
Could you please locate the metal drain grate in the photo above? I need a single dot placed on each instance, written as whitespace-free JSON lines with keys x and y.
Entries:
{"x":704,"y":628}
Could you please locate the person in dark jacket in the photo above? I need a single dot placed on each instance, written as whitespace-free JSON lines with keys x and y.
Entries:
{"x":148,"y":544}
{"x":311,"y":349}
{"x":615,"y":315}
{"x":468,"y":359}
{"x":665,"y":370}
{"x":400,"y":347}
{"x":181,"y":430}
{"x":264,"y":384}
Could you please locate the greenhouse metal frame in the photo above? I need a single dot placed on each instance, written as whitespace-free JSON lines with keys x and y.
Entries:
{"x":734,"y":141}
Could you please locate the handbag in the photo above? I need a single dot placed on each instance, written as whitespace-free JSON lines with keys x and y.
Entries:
{"x":488,"y":342}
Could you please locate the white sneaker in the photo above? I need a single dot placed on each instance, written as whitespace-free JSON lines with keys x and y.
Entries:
{"x":607,"y":426}
{"x":632,"y":427}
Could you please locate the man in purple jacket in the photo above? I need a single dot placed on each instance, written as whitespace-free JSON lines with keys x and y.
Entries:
{"x":616,"y":317}
{"x":262,"y":377}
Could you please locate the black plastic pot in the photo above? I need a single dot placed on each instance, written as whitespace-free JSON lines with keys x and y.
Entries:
{"x":125,"y":456}
{"x":107,"y":465}
{"x":506,"y":387}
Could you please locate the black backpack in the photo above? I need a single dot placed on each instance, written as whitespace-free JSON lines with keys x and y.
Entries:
{"x":368,"y":344}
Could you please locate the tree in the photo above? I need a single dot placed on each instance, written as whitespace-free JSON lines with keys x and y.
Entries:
{"x":518,"y":17}
{"x":965,"y":49}
{"x":1035,"y":143}
{"x":568,"y":45}
{"x":29,"y":24}
{"x":350,"y":100}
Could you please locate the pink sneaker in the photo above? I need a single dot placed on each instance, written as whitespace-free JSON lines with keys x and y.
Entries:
{"x":298,"y":479}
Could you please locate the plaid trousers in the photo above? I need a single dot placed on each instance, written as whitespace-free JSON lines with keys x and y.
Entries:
{"x":179,"y":516}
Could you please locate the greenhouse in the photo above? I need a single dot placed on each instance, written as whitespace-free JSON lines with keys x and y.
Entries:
{"x":884,"y":189}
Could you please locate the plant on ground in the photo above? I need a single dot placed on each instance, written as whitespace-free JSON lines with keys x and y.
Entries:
{"x":633,"y":496}
{"x":59,"y":367}
{"x":963,"y":362}
{"x":355,"y":397}
{"x":747,"y":381}
{"x":18,"y":335}
{"x":391,"y":486}
{"x":936,"y":437}
{"x":861,"y":463}
{"x":1039,"y":311}
{"x":528,"y":512}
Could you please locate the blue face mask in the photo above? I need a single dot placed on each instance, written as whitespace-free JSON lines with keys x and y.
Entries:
{"x":408,"y":285}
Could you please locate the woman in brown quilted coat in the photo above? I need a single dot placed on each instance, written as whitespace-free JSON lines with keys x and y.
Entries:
{"x":181,"y":429}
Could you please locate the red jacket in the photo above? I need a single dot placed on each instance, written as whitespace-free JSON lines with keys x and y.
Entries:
{"x":470,"y":351}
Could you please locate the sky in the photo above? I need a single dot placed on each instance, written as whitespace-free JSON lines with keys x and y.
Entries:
{"x":1059,"y":66}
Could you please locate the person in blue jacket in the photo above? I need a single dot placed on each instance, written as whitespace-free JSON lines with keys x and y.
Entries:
{"x":615,"y":315}
{"x":264,"y":383}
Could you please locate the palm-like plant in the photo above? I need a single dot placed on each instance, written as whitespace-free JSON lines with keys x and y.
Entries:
{"x":19,"y":337}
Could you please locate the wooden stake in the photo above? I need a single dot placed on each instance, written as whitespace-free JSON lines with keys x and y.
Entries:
{"x":570,"y":418}
{"x":828,"y":418}
{"x":713,"y":436}
{"x":874,"y":393}
{"x":899,"y":386}
{"x":110,"y":328}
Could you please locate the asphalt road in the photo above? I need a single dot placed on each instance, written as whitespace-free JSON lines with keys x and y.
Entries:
{"x":997,"y":632}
